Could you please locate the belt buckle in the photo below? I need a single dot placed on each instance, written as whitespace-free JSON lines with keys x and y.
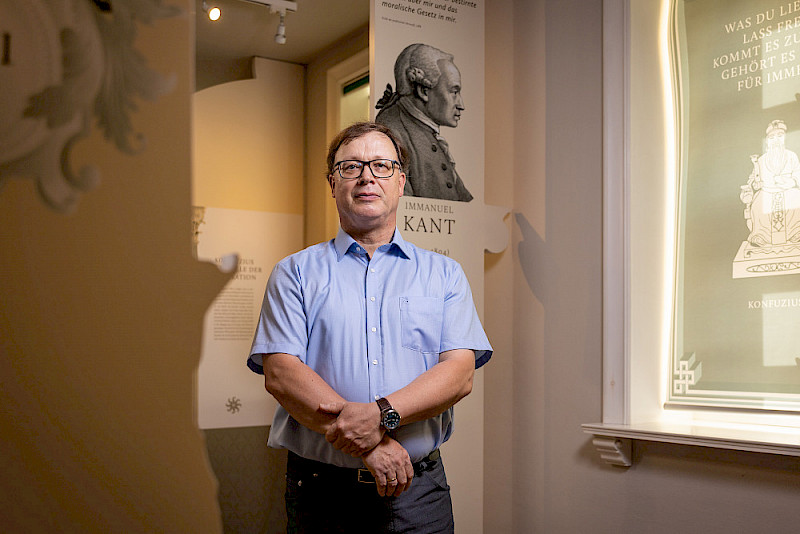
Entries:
{"x":428,"y":462}
{"x":365,"y":477}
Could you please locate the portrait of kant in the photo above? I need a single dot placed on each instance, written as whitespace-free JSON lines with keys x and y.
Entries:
{"x":427,"y":96}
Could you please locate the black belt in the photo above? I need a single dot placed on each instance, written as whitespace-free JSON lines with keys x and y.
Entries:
{"x":363,"y":476}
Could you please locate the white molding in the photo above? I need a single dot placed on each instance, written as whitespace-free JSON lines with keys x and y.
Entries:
{"x":769,"y":440}
{"x":614,"y":450}
{"x":615,"y":144}
{"x":336,"y":77}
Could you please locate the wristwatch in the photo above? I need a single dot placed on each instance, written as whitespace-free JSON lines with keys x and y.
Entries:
{"x":390,"y":419}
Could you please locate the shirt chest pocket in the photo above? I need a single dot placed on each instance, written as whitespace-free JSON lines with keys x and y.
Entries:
{"x":421,"y":323}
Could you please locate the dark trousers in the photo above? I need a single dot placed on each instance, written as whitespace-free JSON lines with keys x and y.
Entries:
{"x":322,"y":498}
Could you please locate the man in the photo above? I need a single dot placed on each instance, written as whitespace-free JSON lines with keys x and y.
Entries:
{"x":428,"y":96}
{"x":772,"y":193}
{"x":367,"y":342}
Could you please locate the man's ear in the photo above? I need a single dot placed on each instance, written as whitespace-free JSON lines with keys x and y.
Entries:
{"x":421,"y":92}
{"x":332,"y":183}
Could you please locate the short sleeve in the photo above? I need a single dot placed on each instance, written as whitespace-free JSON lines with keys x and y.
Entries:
{"x":462,"y":328}
{"x":282,"y":321}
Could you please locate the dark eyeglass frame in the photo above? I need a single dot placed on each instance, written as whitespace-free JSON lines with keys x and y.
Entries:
{"x":364,"y":164}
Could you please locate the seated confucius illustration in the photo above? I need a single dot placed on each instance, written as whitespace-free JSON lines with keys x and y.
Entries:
{"x":772,"y":210}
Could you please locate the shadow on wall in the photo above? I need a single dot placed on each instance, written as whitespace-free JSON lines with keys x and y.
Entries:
{"x":532,"y":256}
{"x":251,"y":479}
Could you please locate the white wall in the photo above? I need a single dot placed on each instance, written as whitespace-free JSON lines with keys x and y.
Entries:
{"x":542,"y":473}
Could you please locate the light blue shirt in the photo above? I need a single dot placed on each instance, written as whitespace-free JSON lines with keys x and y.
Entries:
{"x":368,"y":327}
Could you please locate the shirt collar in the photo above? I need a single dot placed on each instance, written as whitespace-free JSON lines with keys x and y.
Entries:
{"x":401,"y":244}
{"x":344,"y":242}
{"x":415,"y":112}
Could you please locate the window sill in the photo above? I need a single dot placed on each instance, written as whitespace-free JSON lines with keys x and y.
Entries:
{"x":613,"y":442}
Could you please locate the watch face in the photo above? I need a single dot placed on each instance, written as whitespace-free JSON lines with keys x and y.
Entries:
{"x":391,"y":419}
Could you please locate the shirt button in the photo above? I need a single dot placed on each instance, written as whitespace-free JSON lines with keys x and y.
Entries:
{"x":434,"y":148}
{"x":449,"y":185}
{"x":374,"y":329}
{"x":372,"y":270}
{"x":444,"y":166}
{"x":377,"y":397}
{"x":372,"y":299}
{"x":374,"y":362}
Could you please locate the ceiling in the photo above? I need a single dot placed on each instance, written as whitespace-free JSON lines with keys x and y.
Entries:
{"x":247,"y":29}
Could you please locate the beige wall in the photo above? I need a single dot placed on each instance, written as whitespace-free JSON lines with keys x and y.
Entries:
{"x":512,"y":147}
{"x":248,"y":137}
{"x":543,"y":310}
{"x":321,"y":221}
{"x":100,"y":329}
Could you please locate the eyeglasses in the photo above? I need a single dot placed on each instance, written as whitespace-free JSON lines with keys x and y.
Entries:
{"x":350,"y":169}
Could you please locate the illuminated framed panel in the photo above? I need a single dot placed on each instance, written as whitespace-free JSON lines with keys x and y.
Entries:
{"x":696,"y":344}
{"x":735,"y":77}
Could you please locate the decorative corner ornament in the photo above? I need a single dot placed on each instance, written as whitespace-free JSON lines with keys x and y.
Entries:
{"x":615,"y":451}
{"x":63,"y":62}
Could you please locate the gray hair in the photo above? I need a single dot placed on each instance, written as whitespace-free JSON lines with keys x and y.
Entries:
{"x":418,"y":64}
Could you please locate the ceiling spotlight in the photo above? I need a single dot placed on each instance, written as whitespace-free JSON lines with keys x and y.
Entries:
{"x":280,"y":7}
{"x":214,"y":13}
{"x":280,"y":35}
